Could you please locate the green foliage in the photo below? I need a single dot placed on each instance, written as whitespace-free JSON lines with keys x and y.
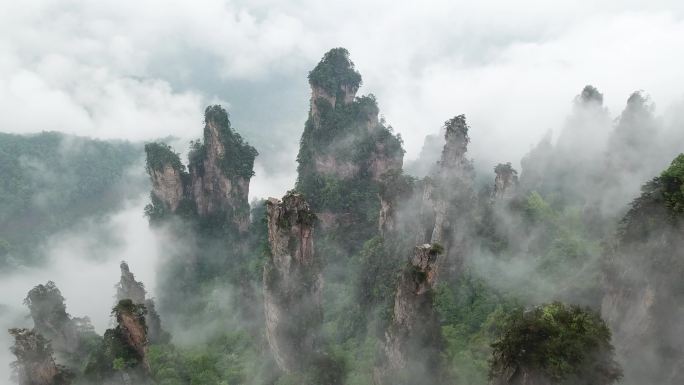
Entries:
{"x":505,"y":169}
{"x":335,"y":70}
{"x":457,"y":126}
{"x":562,"y":343}
{"x":469,"y":314}
{"x":50,"y":181}
{"x":227,"y":359}
{"x":160,"y":155}
{"x":659,"y":206}
{"x":672,"y":180}
{"x":238,"y":157}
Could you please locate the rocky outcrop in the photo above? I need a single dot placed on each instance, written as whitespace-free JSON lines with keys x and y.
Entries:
{"x":167,"y":174}
{"x":448,"y":198}
{"x":217,"y":183}
{"x":50,"y":319}
{"x":413,"y":341}
{"x":167,"y":186}
{"x":220,"y":170}
{"x":505,"y":182}
{"x":394,"y":192}
{"x":292,"y":283}
{"x":345,"y":149}
{"x":131,"y":328}
{"x":130,"y":289}
{"x":643,"y":293}
{"x":35,"y":364}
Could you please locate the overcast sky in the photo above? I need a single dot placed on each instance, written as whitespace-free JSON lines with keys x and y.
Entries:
{"x":145,"y":69}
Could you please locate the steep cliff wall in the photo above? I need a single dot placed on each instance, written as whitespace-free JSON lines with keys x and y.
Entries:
{"x":216,"y":186}
{"x":130,"y":289}
{"x":448,"y":199}
{"x":413,"y":341}
{"x":344,"y":150}
{"x":220,"y":170}
{"x":292,"y":283}
{"x":51,"y":320}
{"x":35,"y":364}
{"x":505,"y":182}
{"x":168,"y":176}
{"x":642,"y":276}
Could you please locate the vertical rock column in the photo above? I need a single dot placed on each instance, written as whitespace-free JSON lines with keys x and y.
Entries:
{"x":292,"y":283}
{"x":35,"y":364}
{"x":413,"y":340}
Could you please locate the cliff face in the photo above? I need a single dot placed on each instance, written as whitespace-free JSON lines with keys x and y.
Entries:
{"x":292,"y":283}
{"x":220,"y":170}
{"x":505,"y":182}
{"x":50,"y":318}
{"x":217,"y":184}
{"x":168,"y":177}
{"x":130,"y":289}
{"x":35,"y":364}
{"x":642,"y":282}
{"x":167,"y":186}
{"x":132,"y":329}
{"x":345,"y":148}
{"x":448,"y":199}
{"x":413,"y":341}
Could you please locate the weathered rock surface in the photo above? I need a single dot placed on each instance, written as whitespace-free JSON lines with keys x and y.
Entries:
{"x":130,"y":289}
{"x":413,"y":341}
{"x":50,"y":318}
{"x":132,"y":328}
{"x":449,"y":199}
{"x":167,"y":186}
{"x":217,"y":183}
{"x":345,"y":149}
{"x":505,"y":182}
{"x":35,"y":364}
{"x":292,"y":283}
{"x":643,"y":291}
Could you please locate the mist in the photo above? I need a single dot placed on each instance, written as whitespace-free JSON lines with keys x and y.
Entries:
{"x":143,"y":72}
{"x":84,"y":264}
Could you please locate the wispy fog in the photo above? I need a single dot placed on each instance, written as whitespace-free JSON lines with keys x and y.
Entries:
{"x":84,"y":264}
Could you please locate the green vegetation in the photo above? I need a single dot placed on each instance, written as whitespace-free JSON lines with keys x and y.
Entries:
{"x":672,"y":180}
{"x":334,"y":71}
{"x":338,"y":150}
{"x":51,"y":181}
{"x":159,"y":155}
{"x":564,"y":344}
{"x":238,"y":157}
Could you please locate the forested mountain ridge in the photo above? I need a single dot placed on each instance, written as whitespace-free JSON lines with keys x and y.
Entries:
{"x":363,"y":274}
{"x":51,"y":180}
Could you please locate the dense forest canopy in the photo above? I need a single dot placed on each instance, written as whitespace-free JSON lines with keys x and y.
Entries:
{"x":51,"y":180}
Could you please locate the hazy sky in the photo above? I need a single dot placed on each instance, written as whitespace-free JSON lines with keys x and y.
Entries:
{"x":146,"y":69}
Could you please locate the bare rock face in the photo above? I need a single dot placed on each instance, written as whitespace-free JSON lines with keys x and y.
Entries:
{"x":292,"y":283}
{"x":130,"y":289}
{"x":449,"y":198}
{"x":216,"y":185}
{"x":344,"y":150}
{"x":50,"y":318}
{"x":505,"y":182}
{"x":221,"y":170}
{"x":35,"y":364}
{"x":167,"y":174}
{"x":395,"y":190}
{"x":131,"y":319}
{"x":413,"y":341}
{"x":643,"y":290}
{"x":167,"y":186}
